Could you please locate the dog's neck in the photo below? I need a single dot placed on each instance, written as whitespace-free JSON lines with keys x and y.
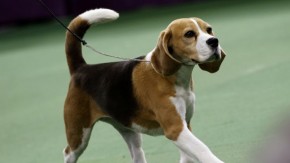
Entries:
{"x":161,"y":63}
{"x":184,"y":76}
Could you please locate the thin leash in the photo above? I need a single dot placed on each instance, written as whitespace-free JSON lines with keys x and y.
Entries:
{"x":84,"y":43}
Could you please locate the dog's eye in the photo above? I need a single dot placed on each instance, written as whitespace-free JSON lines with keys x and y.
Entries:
{"x":209,"y":30}
{"x":189,"y":34}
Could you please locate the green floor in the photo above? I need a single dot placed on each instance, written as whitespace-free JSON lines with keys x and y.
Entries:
{"x":234,"y":109}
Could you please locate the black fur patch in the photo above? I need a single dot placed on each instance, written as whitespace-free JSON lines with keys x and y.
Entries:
{"x":110,"y":84}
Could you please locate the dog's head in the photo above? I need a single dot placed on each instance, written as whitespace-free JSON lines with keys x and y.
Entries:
{"x":187,"y":41}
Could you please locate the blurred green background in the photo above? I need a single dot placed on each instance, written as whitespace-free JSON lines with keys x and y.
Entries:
{"x":235,"y":107}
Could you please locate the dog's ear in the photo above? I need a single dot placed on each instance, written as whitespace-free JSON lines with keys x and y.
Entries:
{"x":160,"y":60}
{"x":214,"y":66}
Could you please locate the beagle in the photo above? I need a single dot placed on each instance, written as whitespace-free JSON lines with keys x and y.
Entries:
{"x":153,"y":97}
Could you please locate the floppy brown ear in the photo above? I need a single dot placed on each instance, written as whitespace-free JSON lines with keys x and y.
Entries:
{"x":213,"y":67}
{"x":160,"y":60}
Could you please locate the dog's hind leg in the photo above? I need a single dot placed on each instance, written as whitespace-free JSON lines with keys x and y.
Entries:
{"x":77,"y":144}
{"x":80,"y":114}
{"x":133,"y":140}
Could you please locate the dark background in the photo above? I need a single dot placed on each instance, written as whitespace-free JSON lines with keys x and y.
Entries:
{"x":25,"y":11}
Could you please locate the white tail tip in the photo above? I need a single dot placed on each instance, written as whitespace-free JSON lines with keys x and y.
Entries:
{"x":101,"y":15}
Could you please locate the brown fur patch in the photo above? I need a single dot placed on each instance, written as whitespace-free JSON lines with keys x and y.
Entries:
{"x":160,"y":56}
{"x":153,"y":93}
{"x":80,"y":112}
{"x":182,"y":46}
{"x":73,"y":46}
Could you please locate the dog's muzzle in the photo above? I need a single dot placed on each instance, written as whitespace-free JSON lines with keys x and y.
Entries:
{"x":213,"y":43}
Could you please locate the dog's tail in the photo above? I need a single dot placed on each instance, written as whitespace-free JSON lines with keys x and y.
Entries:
{"x":79,"y":26}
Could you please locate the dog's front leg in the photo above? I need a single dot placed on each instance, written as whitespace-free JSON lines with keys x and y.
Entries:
{"x":173,"y":123}
{"x":193,"y":149}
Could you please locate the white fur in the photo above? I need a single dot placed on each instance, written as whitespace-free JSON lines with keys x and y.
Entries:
{"x":184,"y":102}
{"x":203,"y":49}
{"x":99,"y":15}
{"x":149,"y":55}
{"x":134,"y":142}
{"x":70,"y":157}
{"x":192,"y":147}
{"x":73,"y":155}
{"x":184,"y":158}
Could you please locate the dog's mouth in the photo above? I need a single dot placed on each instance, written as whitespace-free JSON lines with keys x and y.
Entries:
{"x":215,"y":56}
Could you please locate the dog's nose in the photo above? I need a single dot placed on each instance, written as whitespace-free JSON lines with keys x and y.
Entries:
{"x":213,"y":42}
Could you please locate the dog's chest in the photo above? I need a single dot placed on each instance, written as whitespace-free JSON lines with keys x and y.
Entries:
{"x":184,"y":102}
{"x":184,"y":97}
